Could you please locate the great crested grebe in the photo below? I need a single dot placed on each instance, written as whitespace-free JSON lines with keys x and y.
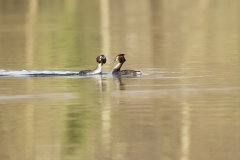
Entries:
{"x":116,"y":70}
{"x":100,"y":60}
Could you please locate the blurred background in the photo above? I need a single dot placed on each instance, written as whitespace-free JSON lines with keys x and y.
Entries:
{"x":185,"y":106}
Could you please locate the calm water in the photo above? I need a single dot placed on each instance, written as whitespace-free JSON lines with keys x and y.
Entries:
{"x":185,"y":106}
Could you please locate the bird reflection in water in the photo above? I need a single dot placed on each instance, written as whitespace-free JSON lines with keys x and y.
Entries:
{"x":119,"y":83}
{"x":101,"y":85}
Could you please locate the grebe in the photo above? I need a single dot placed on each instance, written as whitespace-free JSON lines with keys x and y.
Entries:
{"x":116,"y":70}
{"x":100,"y":60}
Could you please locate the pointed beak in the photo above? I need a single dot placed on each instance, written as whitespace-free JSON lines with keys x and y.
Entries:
{"x":114,"y":60}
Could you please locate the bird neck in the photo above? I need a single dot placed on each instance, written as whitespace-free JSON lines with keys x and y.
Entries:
{"x":117,"y":68}
{"x":98,"y":69}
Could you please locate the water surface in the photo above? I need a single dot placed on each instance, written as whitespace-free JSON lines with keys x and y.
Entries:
{"x":185,"y":106}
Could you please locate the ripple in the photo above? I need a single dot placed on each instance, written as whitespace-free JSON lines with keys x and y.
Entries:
{"x":25,"y":73}
{"x":39,"y":96}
